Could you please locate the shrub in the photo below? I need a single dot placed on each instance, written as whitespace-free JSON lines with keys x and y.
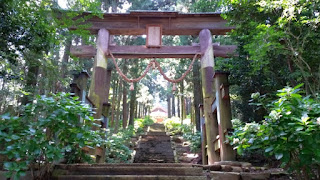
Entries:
{"x":139,"y":124}
{"x":172,"y":124}
{"x":291,"y":132}
{"x":118,"y":146}
{"x":194,"y":139}
{"x":48,"y":130}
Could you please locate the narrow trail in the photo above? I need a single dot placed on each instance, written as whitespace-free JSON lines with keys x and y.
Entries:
{"x":155,"y":146}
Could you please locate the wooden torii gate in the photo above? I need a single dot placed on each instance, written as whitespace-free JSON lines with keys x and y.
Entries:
{"x":154,"y":24}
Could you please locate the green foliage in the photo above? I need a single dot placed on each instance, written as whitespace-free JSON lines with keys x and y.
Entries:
{"x":206,"y":6}
{"x":118,"y":144}
{"x":172,"y":123}
{"x":141,"y":123}
{"x":290,"y":132}
{"x":48,"y":131}
{"x":194,"y":139}
{"x":32,"y":37}
{"x":270,"y":31}
{"x":244,"y":135}
{"x":174,"y":126}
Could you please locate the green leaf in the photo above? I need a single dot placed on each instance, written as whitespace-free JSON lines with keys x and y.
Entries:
{"x":79,"y":135}
{"x":5,"y":116}
{"x":298,"y":86}
{"x":7,"y":165}
{"x":15,"y":137}
{"x":279,"y":156}
{"x":269,"y":149}
{"x":299,"y":128}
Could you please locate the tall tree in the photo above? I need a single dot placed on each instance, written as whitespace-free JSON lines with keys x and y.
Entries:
{"x":284,"y":33}
{"x":173,"y":105}
{"x":125,"y":98}
{"x":133,"y":106}
{"x":197,"y":97}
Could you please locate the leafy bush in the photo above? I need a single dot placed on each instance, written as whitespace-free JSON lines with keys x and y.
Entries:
{"x":194,"y":139}
{"x":139,"y":124}
{"x":291,"y":132}
{"x":48,"y":130}
{"x":118,"y":144}
{"x":172,"y":123}
{"x":174,"y":126}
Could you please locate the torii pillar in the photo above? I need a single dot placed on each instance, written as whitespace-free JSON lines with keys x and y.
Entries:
{"x":97,"y":92}
{"x":208,"y":89}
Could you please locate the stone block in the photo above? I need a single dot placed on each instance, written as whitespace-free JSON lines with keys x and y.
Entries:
{"x":255,"y":176}
{"x":229,"y":163}
{"x":216,"y":175}
{"x":236,"y":169}
{"x":226,"y":168}
{"x":212,"y":167}
{"x":245,"y":164}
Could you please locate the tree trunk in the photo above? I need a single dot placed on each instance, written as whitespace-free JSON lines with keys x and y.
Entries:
{"x":133,"y":104}
{"x":197,"y":93}
{"x":124,"y":99}
{"x":183,"y":103}
{"x":178,"y":106}
{"x":188,"y":105}
{"x":65,"y":57}
{"x":144,"y":110}
{"x":113,"y":105}
{"x":169,"y":105}
{"x":31,"y":80}
{"x":173,"y":105}
{"x":108,"y":74}
{"x":119,"y":95}
{"x":136,"y":110}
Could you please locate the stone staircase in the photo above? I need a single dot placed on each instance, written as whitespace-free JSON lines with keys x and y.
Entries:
{"x":134,"y":171}
{"x":155,"y":146}
{"x":154,"y":160}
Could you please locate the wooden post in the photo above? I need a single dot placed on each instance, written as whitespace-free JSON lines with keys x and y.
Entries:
{"x":80,"y":80}
{"x":224,"y":114}
{"x":107,"y":86}
{"x":203,"y":136}
{"x":98,"y":90}
{"x":207,"y":69}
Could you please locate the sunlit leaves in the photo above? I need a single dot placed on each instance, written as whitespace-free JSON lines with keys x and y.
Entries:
{"x":49,"y":129}
{"x":289,"y":132}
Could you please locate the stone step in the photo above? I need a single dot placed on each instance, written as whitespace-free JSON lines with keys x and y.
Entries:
{"x":148,"y":148}
{"x":155,"y":146}
{"x":128,"y":177}
{"x":154,"y":160}
{"x":155,"y":137}
{"x":133,"y":170}
{"x":73,"y":166}
{"x":157,"y":133}
{"x":217,"y":175}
